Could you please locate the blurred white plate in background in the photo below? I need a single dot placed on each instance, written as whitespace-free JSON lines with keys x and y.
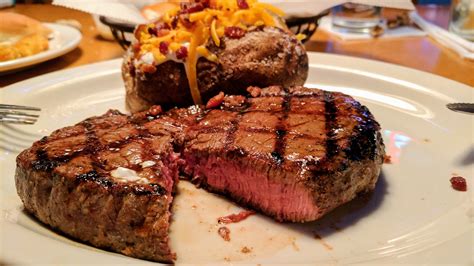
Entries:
{"x":64,"y":39}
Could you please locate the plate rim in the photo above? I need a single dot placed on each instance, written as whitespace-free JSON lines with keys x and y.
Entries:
{"x":112,"y":66}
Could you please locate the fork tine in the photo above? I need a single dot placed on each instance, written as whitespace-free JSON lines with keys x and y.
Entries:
{"x":19,"y":107}
{"x":15,"y":113}
{"x":28,"y":121}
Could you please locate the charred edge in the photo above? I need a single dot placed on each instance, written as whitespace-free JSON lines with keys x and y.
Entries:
{"x":363,"y":144}
{"x":43,"y":162}
{"x":43,"y":140}
{"x":331,"y":123}
{"x":281,"y":131}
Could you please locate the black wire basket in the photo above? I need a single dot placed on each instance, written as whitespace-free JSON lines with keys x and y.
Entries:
{"x":123,"y":31}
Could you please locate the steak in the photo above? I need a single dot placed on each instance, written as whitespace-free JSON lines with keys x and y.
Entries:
{"x":293,"y":154}
{"x":107,"y":181}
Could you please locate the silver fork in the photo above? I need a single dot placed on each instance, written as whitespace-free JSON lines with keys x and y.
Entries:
{"x":16,"y":114}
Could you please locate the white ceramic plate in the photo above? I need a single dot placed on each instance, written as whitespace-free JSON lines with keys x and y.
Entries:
{"x":63,"y":40}
{"x":414,"y":215}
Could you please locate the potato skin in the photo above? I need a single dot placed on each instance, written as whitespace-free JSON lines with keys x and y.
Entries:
{"x":263,"y":57}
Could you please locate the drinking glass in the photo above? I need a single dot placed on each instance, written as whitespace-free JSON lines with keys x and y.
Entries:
{"x":462,"y":18}
{"x":355,"y":16}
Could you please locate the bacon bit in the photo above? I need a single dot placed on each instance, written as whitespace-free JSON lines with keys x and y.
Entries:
{"x":246,"y":250}
{"x":160,"y":29}
{"x":155,"y":110}
{"x":242,"y":4}
{"x":189,"y":8}
{"x":162,"y":32}
{"x":387,"y":159}
{"x":136,"y":47}
{"x":254,"y":91}
{"x":224,"y":232}
{"x":182,"y":53}
{"x":185,"y":21}
{"x":174,"y":22}
{"x":162,"y":25}
{"x":458,"y":183}
{"x":153,"y":31}
{"x":148,"y":68}
{"x":138,"y":30}
{"x":235,"y":218}
{"x":205,"y":3}
{"x":132,"y":69}
{"x":234,"y":32}
{"x":164,"y":47}
{"x":215,"y":101}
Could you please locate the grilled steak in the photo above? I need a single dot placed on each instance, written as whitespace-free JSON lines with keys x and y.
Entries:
{"x":107,"y":181}
{"x":293,"y":154}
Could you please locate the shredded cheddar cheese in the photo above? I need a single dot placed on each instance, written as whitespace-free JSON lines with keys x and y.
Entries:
{"x":214,"y":35}
{"x":183,"y":33}
{"x":301,"y":36}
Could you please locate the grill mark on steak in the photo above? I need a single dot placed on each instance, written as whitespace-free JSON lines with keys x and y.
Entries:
{"x":93,"y":146}
{"x":42,"y":162}
{"x":281,"y":130}
{"x":359,"y":150}
{"x":330,"y":115}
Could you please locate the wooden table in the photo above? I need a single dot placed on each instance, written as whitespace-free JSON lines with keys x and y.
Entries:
{"x":416,"y":52}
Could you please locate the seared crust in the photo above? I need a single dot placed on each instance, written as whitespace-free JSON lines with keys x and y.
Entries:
{"x":263,"y":57}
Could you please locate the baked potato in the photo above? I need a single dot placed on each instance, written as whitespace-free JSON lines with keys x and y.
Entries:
{"x":249,"y":55}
